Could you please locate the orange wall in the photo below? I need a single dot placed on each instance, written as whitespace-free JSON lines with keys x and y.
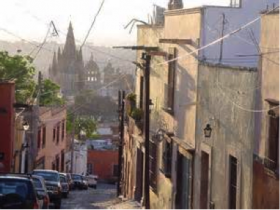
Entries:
{"x":103,"y":163}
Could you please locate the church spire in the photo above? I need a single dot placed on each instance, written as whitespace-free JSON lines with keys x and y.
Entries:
{"x":69,"y":50}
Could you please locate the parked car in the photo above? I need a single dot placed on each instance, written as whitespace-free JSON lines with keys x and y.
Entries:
{"x":40,"y":186}
{"x":85,"y":183}
{"x":17,"y":193}
{"x":79,"y":181}
{"x":69,"y":180}
{"x":92,"y":181}
{"x":52,"y":180}
{"x":64,"y":185}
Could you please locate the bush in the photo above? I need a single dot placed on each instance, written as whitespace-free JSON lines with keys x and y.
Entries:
{"x":137,"y":114}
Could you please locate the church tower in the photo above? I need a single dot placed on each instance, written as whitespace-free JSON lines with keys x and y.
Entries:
{"x":92,"y":74}
{"x":68,"y":67}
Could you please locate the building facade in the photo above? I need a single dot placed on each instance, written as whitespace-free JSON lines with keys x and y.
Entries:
{"x":51,"y":139}
{"x":223,"y":165}
{"x":179,"y":155}
{"x":7,"y":116}
{"x":266,"y":153}
{"x":104,"y":164}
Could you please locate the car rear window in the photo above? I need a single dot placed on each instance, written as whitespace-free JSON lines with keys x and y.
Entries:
{"x":37,"y":183}
{"x":20,"y":187}
{"x":76,"y":177}
{"x":48,"y":176}
{"x":63,"y":179}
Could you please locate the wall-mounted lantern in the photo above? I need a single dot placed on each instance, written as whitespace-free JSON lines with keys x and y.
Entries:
{"x":25,"y":126}
{"x":207,"y":131}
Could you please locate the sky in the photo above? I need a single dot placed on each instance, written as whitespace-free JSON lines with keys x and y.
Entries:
{"x":29,"y":19}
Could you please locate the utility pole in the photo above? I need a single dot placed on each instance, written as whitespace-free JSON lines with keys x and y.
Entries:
{"x":147,"y":58}
{"x":222,"y":34}
{"x":121,"y":137}
{"x":72,"y":144}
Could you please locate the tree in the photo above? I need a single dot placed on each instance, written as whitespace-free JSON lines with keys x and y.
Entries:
{"x":81,"y":123}
{"x":20,"y":70}
{"x":50,"y":94}
{"x":95,"y":105}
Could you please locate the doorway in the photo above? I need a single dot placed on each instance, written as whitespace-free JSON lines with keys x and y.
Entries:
{"x":204,"y":180}
{"x":139,"y":175}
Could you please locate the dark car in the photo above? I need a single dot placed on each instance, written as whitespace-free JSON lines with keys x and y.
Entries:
{"x":17,"y":193}
{"x":52,"y":180}
{"x":64,"y":185}
{"x":79,"y":182}
{"x":42,"y":192}
{"x":69,"y":180}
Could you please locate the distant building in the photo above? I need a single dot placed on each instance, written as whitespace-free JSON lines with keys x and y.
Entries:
{"x":68,"y":69}
{"x":7,"y":114}
{"x":104,"y":164}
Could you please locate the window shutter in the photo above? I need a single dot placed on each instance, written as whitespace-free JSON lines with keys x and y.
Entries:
{"x":171,"y":79}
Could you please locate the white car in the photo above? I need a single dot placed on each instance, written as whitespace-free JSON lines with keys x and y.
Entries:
{"x":92,"y":181}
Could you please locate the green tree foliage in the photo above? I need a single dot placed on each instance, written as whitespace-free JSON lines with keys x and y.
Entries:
{"x":81,"y":123}
{"x":50,"y":94}
{"x":95,"y":105}
{"x":20,"y":70}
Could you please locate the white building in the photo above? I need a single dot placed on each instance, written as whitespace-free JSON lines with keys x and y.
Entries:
{"x":79,"y":158}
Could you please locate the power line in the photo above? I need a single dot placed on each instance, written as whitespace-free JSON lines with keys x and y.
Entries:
{"x":219,"y":39}
{"x":94,"y":20}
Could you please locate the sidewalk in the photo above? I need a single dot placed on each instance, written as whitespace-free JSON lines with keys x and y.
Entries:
{"x":130,"y":204}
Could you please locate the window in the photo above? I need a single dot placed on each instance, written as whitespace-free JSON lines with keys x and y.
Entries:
{"x":54,"y":132}
{"x":274,"y":133}
{"x":62,"y":160}
{"x":235,"y":3}
{"x":89,"y":168}
{"x":57,"y":163}
{"x":171,"y":81}
{"x":39,"y":138}
{"x":232,"y":182}
{"x":63,"y":130}
{"x":153,"y":165}
{"x":141,"y":92}
{"x":44,"y":137}
{"x":167,"y":158}
{"x":115,"y":170}
{"x":53,"y":166}
{"x":57,"y":134}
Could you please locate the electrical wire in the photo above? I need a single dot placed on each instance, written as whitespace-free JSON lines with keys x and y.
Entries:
{"x":94,"y":20}
{"x":220,"y":39}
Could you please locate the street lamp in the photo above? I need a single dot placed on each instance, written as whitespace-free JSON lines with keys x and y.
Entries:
{"x":207,"y":131}
{"x":25,"y":126}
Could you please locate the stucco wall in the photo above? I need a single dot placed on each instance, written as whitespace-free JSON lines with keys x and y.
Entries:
{"x":269,"y":75}
{"x":50,"y":118}
{"x":221,"y":93}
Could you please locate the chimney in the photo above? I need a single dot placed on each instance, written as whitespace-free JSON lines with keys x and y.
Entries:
{"x":175,"y":4}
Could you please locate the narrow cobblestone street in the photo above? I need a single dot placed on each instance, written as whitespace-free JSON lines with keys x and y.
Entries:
{"x":101,"y":198}
{"x":104,"y":197}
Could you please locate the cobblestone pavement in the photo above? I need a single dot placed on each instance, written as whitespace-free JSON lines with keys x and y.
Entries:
{"x":101,"y":198}
{"x":104,"y":197}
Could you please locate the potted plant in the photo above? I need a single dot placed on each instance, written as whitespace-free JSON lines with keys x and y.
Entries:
{"x":130,"y":103}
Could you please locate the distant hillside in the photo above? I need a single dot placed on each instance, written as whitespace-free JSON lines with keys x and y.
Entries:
{"x":44,"y":58}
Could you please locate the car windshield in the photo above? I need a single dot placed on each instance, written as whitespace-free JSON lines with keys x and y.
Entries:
{"x":76,"y":177}
{"x":13,"y":186}
{"x":63,"y":179}
{"x":37,"y":183}
{"x":48,"y":176}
